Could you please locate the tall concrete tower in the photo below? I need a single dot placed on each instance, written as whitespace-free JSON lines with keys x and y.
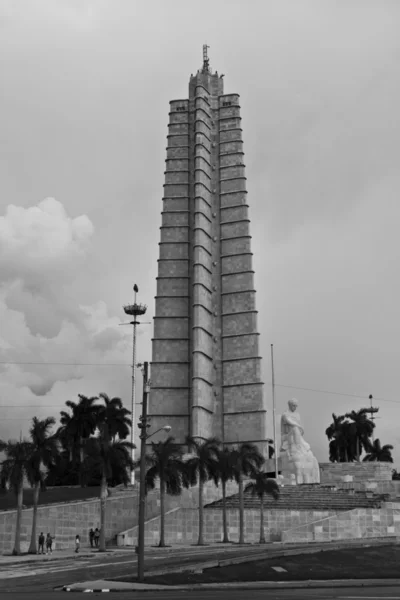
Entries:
{"x":205,"y":370}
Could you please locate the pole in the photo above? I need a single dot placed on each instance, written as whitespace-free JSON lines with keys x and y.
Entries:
{"x":142,"y":491}
{"x":273,"y":411}
{"x":372,"y":415}
{"x":133,"y":403}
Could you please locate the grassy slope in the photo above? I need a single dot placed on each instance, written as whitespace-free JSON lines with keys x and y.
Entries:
{"x":50,"y":496}
{"x":348,"y":563}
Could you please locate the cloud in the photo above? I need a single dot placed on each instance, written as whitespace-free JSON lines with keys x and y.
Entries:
{"x":41,"y":251}
{"x":41,"y":244}
{"x":45,"y":331}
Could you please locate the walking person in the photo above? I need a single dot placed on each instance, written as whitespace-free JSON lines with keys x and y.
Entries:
{"x":41,"y":543}
{"x":49,"y":544}
{"x":96,"y":537}
{"x":77,"y":544}
{"x":91,"y":537}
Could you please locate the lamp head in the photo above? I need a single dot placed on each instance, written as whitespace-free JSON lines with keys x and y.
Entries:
{"x":167,"y":428}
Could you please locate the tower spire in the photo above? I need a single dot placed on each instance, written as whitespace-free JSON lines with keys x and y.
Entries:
{"x":206,"y":60}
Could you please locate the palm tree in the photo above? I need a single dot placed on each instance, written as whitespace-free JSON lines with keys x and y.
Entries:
{"x":118,"y":422}
{"x":45,"y":451}
{"x":260,"y":487}
{"x":78,"y":426}
{"x":107,"y":456}
{"x":395,"y":475}
{"x":376,"y":452}
{"x":224,"y":474}
{"x":113,"y":424}
{"x":246,"y":460}
{"x":334,"y":433}
{"x":15,"y":468}
{"x":361,"y":428}
{"x":166,"y":464}
{"x":202,"y":466}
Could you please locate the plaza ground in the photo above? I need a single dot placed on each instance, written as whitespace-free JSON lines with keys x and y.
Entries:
{"x":380,"y":562}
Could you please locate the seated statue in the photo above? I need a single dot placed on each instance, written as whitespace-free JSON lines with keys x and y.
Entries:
{"x":296,"y":455}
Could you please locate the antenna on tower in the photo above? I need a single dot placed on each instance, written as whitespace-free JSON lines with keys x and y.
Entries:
{"x":206,"y":60}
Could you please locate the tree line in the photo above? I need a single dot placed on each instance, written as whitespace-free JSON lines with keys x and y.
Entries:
{"x":351,"y":434}
{"x":89,"y":447}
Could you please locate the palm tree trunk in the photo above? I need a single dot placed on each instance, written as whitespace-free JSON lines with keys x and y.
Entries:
{"x":241,"y":511}
{"x":346,"y":456}
{"x":162,"y":514}
{"x":200,"y":541}
{"x":224,"y":515}
{"x":36,"y":492}
{"x":103,"y":501}
{"x":262,"y":534}
{"x":358,"y":448}
{"x":81,"y":459}
{"x":17,"y":544}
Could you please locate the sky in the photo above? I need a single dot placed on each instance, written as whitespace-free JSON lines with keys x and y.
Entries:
{"x":83,"y":120}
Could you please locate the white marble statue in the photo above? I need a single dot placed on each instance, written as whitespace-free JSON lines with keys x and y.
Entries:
{"x":296,"y":455}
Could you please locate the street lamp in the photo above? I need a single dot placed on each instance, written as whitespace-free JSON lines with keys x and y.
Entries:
{"x":144,"y":436}
{"x":134,"y":310}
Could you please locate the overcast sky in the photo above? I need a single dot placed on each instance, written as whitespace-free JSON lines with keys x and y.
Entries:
{"x":85,"y":86}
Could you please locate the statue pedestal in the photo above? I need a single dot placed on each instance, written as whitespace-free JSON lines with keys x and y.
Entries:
{"x":299,"y":468}
{"x":285,"y":480}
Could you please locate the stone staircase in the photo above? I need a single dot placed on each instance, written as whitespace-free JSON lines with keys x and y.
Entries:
{"x":308,"y":497}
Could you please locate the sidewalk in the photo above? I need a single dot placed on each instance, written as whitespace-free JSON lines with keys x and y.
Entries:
{"x":69,"y":553}
{"x":272,"y":548}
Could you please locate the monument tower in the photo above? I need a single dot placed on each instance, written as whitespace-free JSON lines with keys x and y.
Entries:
{"x":205,"y":370}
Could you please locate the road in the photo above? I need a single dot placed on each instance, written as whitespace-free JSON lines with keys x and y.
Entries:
{"x":48,"y":575}
{"x":39,"y":580}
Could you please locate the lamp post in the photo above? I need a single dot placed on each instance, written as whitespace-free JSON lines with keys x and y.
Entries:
{"x":144,"y":436}
{"x":134,"y":310}
{"x":273,"y":412}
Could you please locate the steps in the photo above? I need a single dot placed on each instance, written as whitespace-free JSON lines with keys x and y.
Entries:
{"x":308,"y":497}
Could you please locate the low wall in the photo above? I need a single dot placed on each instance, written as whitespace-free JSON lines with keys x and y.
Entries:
{"x":358,"y":472}
{"x":392,"y":488}
{"x":189,"y":500}
{"x":352,"y":524}
{"x":65,"y":521}
{"x":182,"y":525}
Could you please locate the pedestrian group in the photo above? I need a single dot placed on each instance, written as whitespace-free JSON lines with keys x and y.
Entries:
{"x":94,"y":538}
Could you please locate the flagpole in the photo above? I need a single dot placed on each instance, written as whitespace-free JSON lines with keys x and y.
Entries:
{"x":273,"y":411}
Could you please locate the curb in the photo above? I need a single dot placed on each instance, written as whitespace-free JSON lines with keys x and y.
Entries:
{"x":94,"y":590}
{"x":250,"y":585}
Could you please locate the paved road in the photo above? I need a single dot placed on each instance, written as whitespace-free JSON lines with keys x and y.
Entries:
{"x":39,"y":579}
{"x":45,"y":575}
{"x":340,"y":594}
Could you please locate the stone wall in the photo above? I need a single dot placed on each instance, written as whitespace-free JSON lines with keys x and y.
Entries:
{"x":181,"y":525}
{"x":65,"y":521}
{"x":353,"y":524}
{"x":392,"y":488}
{"x":187,"y":501}
{"x":355,"y":472}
